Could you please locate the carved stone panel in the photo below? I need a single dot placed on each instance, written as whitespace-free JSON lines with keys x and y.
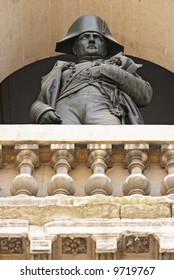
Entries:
{"x":137,"y":246}
{"x":14,"y":248}
{"x":11,"y":245}
{"x":69,"y":247}
{"x":75,"y":245}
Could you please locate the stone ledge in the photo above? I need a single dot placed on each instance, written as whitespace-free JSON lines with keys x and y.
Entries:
{"x":83,"y":134}
{"x":162,"y":228}
{"x":115,"y":233}
{"x":48,"y":209}
{"x":144,"y":211}
{"x":63,"y":200}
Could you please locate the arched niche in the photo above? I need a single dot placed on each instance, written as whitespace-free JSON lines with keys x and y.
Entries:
{"x":19,"y":90}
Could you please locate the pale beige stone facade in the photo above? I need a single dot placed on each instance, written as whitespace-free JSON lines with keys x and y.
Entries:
{"x":86,"y":192}
{"x":30,"y":29}
{"x":75,"y":192}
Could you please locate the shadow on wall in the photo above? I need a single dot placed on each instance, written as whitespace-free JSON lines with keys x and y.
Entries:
{"x":21,"y":89}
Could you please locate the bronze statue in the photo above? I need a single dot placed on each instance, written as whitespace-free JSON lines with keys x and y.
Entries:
{"x":102,"y":88}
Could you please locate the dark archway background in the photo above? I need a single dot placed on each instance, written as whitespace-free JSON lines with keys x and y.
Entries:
{"x":20,"y":90}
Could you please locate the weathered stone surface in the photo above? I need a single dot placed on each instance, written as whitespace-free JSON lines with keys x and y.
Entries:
{"x":145,"y":211}
{"x":49,"y":134}
{"x":125,"y":238}
{"x":97,"y":207}
{"x":36,"y":35}
{"x":147,"y":222}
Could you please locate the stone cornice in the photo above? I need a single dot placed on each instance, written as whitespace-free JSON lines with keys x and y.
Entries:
{"x":84,"y":134}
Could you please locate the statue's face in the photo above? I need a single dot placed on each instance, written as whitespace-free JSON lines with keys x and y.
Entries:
{"x":90,"y":44}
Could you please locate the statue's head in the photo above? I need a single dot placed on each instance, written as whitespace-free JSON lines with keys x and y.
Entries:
{"x":83,"y":27}
{"x":90,"y":44}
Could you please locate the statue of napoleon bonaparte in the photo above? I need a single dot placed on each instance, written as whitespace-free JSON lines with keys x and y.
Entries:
{"x":103,"y":88}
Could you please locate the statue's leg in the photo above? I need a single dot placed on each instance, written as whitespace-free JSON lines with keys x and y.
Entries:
{"x":67,"y":112}
{"x":98,"y":110}
{"x":102,"y":117}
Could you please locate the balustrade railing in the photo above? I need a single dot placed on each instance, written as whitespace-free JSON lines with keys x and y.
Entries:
{"x":102,"y":152}
{"x":98,"y":192}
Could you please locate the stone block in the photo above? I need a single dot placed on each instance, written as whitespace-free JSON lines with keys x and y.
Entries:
{"x":144,"y":211}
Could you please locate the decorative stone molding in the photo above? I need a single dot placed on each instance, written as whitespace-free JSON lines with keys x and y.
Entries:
{"x":136,"y":244}
{"x":136,"y":160}
{"x":167,"y":162}
{"x":105,"y":245}
{"x":14,"y":227}
{"x":26,"y":160}
{"x":11,"y":245}
{"x":76,"y":239}
{"x":106,"y":256}
{"x":84,"y":227}
{"x":74,"y":245}
{"x":166,"y":242}
{"x":167,"y":256}
{"x":43,"y":257}
{"x":99,"y":159}
{"x":40,"y":245}
{"x":40,"y":249}
{"x":0,"y":156}
{"x":62,"y":161}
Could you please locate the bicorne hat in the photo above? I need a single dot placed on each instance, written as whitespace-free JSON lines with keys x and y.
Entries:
{"x":87,"y":23}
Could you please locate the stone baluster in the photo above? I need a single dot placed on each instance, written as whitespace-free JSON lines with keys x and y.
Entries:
{"x":136,"y":160}
{"x":26,"y":159}
{"x":167,"y":162}
{"x":0,"y":156}
{"x":62,"y":161}
{"x":99,"y":159}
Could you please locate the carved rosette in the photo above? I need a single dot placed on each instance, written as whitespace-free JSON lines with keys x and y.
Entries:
{"x":99,"y":159}
{"x":11,"y":245}
{"x":136,"y":160}
{"x":62,"y":161}
{"x":26,"y":160}
{"x":167,"y":162}
{"x":76,"y":245}
{"x":134,"y":244}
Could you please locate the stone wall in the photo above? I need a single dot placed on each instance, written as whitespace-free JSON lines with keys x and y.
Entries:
{"x":30,"y":29}
{"x":75,"y":192}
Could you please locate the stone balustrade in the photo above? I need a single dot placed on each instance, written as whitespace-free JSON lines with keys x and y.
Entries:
{"x":58,"y":160}
{"x":86,"y":192}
